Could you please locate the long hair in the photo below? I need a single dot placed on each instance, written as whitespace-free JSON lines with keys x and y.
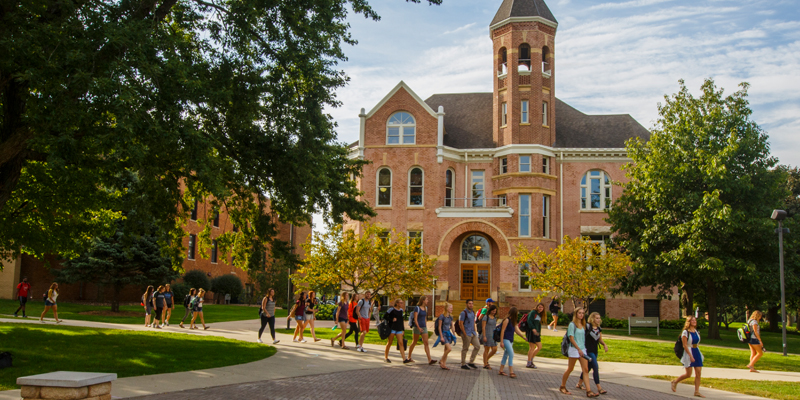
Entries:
{"x":756,"y":315}
{"x":312,"y":295}
{"x":490,"y":309}
{"x":396,"y":302}
{"x":147,"y":292}
{"x":167,"y":288}
{"x":201,"y":292}
{"x":579,"y":323}
{"x":422,"y":300}
{"x":192,"y":291}
{"x":270,"y":294}
{"x":446,"y":307}
{"x":688,"y":323}
{"x":54,"y":287}
{"x":590,"y":320}
{"x":512,"y":316}
{"x":159,"y":289}
{"x":541,"y":314}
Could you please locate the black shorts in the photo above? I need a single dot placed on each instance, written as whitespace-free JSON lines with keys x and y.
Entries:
{"x":23,"y":300}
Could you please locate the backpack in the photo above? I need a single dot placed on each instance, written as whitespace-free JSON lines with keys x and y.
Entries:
{"x":744,"y":333}
{"x":436,"y":326}
{"x":523,"y":323}
{"x":187,"y":300}
{"x":565,"y":343}
{"x":5,"y":360}
{"x":384,"y":329}
{"x":412,"y":316}
{"x":478,"y":319}
{"x":458,"y":330}
{"x":193,"y":302}
{"x":355,"y":312}
{"x":678,"y":349}
{"x":260,"y":310}
{"x":497,"y":332}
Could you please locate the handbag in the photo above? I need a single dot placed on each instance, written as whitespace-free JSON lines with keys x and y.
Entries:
{"x":292,"y":312}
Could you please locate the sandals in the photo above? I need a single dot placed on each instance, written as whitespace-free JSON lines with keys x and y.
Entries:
{"x":487,"y":366}
{"x":332,"y":342}
{"x":590,"y":393}
{"x":502,"y":373}
{"x":564,"y":390}
{"x":345,"y":348}
{"x":674,"y":386}
{"x":602,"y":392}
{"x":431,"y":362}
{"x":443,"y":367}
{"x":513,"y":375}
{"x":697,"y":394}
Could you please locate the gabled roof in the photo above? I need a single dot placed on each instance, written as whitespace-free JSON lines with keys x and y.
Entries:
{"x":393,"y":92}
{"x":467,"y":119}
{"x":520,"y":9}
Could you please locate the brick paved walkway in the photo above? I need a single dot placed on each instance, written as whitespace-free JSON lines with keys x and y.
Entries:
{"x":410,"y":382}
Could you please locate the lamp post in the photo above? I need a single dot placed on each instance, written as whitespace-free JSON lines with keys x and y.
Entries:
{"x":780,"y":215}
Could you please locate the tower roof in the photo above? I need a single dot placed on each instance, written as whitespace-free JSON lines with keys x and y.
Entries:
{"x":523,"y":9}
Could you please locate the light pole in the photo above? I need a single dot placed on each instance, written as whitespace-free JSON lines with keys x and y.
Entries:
{"x":780,"y":215}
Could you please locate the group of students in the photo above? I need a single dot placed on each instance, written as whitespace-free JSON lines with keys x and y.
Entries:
{"x":50,"y":297}
{"x":162,"y":301}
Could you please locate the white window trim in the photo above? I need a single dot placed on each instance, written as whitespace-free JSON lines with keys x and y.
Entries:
{"x":472,"y":182}
{"x":604,"y":201}
{"x":521,"y":214}
{"x":544,"y":113}
{"x":504,"y":116}
{"x":421,"y":239}
{"x":503,"y":200}
{"x":546,"y":165}
{"x":192,"y":246}
{"x":519,"y":279}
{"x":503,"y":159}
{"x":524,"y":112}
{"x":408,"y":198}
{"x":547,"y":205}
{"x":401,"y":126}
{"x":452,"y":187}
{"x":378,"y":187}
{"x":528,"y":163}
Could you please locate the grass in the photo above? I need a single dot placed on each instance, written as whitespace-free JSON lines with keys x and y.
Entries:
{"x":132,"y":314}
{"x":769,"y":389}
{"x":772,"y":340}
{"x":41,"y":349}
{"x":627,"y":351}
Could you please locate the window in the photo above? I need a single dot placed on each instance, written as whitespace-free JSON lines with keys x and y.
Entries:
{"x":505,"y":114}
{"x":652,"y":308}
{"x":235,"y":228}
{"x":595,"y":191}
{"x":502,"y":67}
{"x":415,"y":239}
{"x":401,"y":128}
{"x":475,"y":248}
{"x":544,"y":113}
{"x":524,"y":163}
{"x":415,"y":187}
{"x":449,"y":184}
{"x":525,"y":215}
{"x":502,"y":200}
{"x":545,"y":165}
{"x":524,"y":57}
{"x":546,"y":216}
{"x":524,"y":118}
{"x":384,"y":235}
{"x":216,"y":219}
{"x":192,"y":246}
{"x":384,"y":187}
{"x":545,"y":64}
{"x":214,"y":251}
{"x":504,"y":165}
{"x":524,"y":279}
{"x":194,"y":211}
{"x":477,"y":188}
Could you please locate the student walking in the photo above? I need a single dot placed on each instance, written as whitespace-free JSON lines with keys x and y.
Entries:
{"x":420,"y":329}
{"x":555,"y":307}
{"x":341,"y":318}
{"x":756,"y":345}
{"x":267,"y":315}
{"x":22,"y":295}
{"x":50,"y":302}
{"x":489,"y":323}
{"x":395,"y":317}
{"x":352,"y":318}
{"x":466,"y":320}
{"x":445,"y":322}
{"x":509,"y":328}
{"x":594,"y":338}
{"x":161,"y":303}
{"x":364,"y":308}
{"x":534,"y":333}
{"x":299,"y":316}
{"x":170,"y":302}
{"x":692,"y":357}
{"x":576,"y":332}
{"x":198,"y":309}
{"x":312,"y":305}
{"x":482,"y":312}
{"x":187,"y":305}
{"x":147,"y":302}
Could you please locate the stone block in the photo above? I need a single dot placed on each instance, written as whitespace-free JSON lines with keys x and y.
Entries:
{"x":29,"y":392}
{"x":63,"y":393}
{"x":100,"y":389}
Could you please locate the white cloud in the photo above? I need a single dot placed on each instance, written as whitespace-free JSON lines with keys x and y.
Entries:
{"x":627,"y":4}
{"x":460,"y":28}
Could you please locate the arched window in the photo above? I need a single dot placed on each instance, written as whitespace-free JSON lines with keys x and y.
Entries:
{"x":449,"y":188}
{"x":416,"y":187}
{"x":524,"y":57}
{"x":476,"y":248}
{"x":595,"y":191}
{"x":545,"y":62}
{"x":384,"y":187}
{"x":401,"y":129}
{"x":502,"y":62}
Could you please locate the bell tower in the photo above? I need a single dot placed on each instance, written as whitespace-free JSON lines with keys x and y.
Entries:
{"x":523,"y":35}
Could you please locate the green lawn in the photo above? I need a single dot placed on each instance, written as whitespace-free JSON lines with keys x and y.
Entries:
{"x":132,"y":314}
{"x":659,"y":353}
{"x":769,"y":389}
{"x":39,"y":349}
{"x":772,"y":340}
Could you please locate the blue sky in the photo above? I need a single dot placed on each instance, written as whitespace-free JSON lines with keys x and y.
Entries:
{"x":612,"y":57}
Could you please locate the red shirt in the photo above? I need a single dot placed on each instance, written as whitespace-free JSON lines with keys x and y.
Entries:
{"x":350,"y":307}
{"x":22,"y":289}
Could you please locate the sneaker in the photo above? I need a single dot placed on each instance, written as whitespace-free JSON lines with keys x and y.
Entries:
{"x":24,"y":316}
{"x":41,"y":320}
{"x":465,"y":367}
{"x":276,"y":341}
{"x":473,"y":366}
{"x":555,"y":330}
{"x":302,"y":341}
{"x":167,"y":323}
{"x":549,"y":328}
{"x":363,"y":350}
{"x":295,"y":340}
{"x":15,"y":315}
{"x":181,"y":325}
{"x":387,"y":360}
{"x":205,"y":328}
{"x":406,"y":361}
{"x":59,"y":321}
{"x":529,"y":365}
{"x":158,"y":327}
{"x":259,"y":341}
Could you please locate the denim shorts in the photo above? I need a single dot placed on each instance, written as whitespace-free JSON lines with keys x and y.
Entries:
{"x":49,"y":303}
{"x":394,"y":332}
{"x":299,"y":318}
{"x":754,"y":341}
{"x":342,"y":320}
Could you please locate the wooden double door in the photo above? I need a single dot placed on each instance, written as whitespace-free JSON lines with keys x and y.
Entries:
{"x":475,"y":281}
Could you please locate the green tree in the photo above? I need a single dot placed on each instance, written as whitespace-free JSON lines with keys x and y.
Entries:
{"x":225,"y":97}
{"x":118,"y":261}
{"x":695,"y":212}
{"x":197,"y":279}
{"x":226,"y":284}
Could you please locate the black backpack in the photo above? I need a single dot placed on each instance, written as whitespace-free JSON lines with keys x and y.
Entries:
{"x":384,"y":330}
{"x":5,"y":360}
{"x":458,"y":326}
{"x":260,"y":302}
{"x":497,"y":331}
{"x":186,"y":300}
{"x":436,"y":326}
{"x":679,"y":350}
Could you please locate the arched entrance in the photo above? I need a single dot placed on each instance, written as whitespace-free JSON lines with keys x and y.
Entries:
{"x":476,"y":268}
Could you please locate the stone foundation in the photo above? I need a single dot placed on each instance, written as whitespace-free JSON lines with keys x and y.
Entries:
{"x":64,"y":385}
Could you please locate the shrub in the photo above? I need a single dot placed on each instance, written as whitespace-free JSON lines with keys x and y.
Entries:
{"x":197,"y":279}
{"x":180,"y":290}
{"x":227,"y":284}
{"x":325,"y":312}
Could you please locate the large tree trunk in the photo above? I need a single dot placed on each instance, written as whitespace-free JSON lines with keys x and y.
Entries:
{"x":711,"y":294}
{"x":773,"y":314}
{"x":687,"y":300}
{"x":115,"y":298}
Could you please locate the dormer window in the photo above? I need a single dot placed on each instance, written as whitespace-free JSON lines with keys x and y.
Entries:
{"x":524,"y":57}
{"x":401,"y":129}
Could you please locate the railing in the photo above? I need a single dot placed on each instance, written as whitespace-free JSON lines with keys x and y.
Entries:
{"x":503,"y":69}
{"x":497,"y":202}
{"x":546,"y":68}
{"x":524,"y":65}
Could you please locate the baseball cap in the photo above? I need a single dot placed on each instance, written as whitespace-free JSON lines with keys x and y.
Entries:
{"x":489,"y":300}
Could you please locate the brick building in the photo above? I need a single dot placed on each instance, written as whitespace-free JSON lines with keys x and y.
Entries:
{"x":212,"y":263}
{"x":476,"y":174}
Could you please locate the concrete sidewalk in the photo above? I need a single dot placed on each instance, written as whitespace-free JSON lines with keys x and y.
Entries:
{"x":304,"y":359}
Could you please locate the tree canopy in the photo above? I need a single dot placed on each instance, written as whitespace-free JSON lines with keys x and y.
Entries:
{"x":224,"y":97}
{"x":695,"y":212}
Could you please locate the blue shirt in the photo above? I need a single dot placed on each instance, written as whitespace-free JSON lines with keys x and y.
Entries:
{"x":468,"y":317}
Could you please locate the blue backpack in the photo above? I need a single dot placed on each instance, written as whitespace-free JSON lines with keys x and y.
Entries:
{"x":412,"y":316}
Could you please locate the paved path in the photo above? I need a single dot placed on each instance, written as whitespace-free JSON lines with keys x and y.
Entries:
{"x":297,"y":361}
